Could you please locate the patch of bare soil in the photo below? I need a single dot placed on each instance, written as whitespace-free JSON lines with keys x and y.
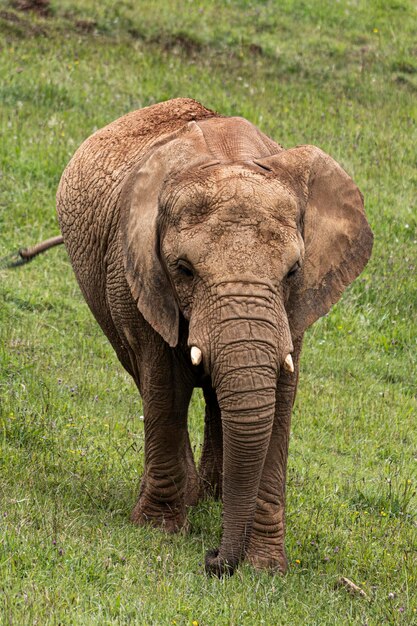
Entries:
{"x":41,"y":7}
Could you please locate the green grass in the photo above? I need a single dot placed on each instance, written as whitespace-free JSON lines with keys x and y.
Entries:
{"x":340,"y":75}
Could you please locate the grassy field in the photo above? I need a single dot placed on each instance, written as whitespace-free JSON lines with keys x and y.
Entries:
{"x":340,"y":75}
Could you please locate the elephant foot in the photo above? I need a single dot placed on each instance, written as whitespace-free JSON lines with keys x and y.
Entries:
{"x":267,"y":552}
{"x":167,"y":516}
{"x":217,"y":566}
{"x":273,"y":562}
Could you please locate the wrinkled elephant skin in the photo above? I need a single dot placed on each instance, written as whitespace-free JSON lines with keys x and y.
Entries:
{"x":204,"y":250}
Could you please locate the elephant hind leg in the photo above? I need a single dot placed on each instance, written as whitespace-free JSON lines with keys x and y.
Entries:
{"x":192,"y":485}
{"x":211,"y":464}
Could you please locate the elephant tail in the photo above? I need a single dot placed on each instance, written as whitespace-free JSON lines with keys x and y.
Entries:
{"x":24,"y":255}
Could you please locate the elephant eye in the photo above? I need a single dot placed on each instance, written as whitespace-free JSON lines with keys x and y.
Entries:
{"x":184,"y":268}
{"x":294,"y":269}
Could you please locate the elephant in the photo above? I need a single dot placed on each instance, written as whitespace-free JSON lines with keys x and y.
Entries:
{"x":204,"y":249}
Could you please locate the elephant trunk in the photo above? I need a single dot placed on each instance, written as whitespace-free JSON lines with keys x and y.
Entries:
{"x":248,"y":345}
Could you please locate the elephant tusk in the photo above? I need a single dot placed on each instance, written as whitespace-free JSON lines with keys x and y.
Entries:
{"x":196,"y":355}
{"x":288,"y":364}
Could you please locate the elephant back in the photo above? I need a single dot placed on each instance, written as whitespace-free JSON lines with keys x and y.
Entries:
{"x":89,"y":190}
{"x":91,"y":182}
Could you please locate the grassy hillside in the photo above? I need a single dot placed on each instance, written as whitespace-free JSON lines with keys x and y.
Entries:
{"x":340,"y":75}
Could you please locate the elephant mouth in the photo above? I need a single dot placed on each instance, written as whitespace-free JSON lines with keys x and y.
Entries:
{"x":245,"y":313}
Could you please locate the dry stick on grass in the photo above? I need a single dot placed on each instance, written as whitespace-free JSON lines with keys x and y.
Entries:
{"x":351,"y":587}
{"x":24,"y":255}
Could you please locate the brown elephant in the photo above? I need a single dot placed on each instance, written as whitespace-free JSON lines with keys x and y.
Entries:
{"x":204,"y":250}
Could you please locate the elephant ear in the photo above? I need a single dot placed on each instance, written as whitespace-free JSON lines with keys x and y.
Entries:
{"x":337,"y":236}
{"x":139,"y":210}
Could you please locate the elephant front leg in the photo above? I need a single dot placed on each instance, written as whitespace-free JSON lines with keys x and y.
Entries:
{"x":169,"y":471}
{"x":192,"y":489}
{"x":211,"y":464}
{"x":266,"y":547}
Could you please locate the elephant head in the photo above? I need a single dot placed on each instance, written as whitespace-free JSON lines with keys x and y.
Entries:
{"x":250,"y":243}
